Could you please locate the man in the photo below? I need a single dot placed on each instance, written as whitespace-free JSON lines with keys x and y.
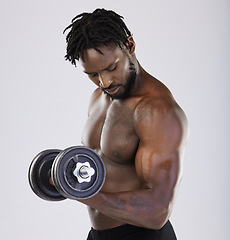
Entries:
{"x":135,"y":125}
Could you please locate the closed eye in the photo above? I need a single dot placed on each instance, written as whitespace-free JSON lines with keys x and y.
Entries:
{"x":110,"y":70}
{"x":93,"y":75}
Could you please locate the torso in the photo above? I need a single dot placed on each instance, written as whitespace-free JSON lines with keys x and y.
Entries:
{"x":110,"y":131}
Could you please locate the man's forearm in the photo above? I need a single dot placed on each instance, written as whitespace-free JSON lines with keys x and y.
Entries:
{"x":141,"y":207}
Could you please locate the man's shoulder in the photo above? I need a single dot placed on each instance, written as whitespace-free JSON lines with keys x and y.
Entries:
{"x":96,"y":95}
{"x":159,"y":114}
{"x":156,"y":97}
{"x":150,"y":105}
{"x":158,"y":106}
{"x":155,"y":92}
{"x":94,"y":98}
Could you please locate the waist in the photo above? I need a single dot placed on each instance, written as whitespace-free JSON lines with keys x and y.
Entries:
{"x":118,"y":232}
{"x":125,"y":231}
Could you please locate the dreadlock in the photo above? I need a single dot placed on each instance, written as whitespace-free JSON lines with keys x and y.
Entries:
{"x":91,"y":30}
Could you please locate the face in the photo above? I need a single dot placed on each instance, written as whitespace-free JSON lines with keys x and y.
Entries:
{"x":113,"y":71}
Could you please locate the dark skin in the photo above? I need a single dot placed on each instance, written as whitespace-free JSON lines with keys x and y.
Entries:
{"x":140,"y":136}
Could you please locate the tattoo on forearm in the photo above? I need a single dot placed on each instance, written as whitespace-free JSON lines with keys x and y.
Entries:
{"x":139,"y":204}
{"x":134,"y":200}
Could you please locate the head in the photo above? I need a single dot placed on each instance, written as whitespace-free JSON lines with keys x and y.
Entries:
{"x":103,"y":34}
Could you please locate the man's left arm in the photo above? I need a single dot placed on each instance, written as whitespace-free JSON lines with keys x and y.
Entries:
{"x":162,"y":130}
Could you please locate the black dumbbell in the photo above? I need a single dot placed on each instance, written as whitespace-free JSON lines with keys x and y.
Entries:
{"x":76,"y":173}
{"x":40,"y":175}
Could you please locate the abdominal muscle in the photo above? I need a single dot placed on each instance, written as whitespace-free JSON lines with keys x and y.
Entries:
{"x":119,"y":178}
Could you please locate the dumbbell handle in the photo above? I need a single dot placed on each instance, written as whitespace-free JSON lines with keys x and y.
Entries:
{"x":83,"y":172}
{"x":86,"y":172}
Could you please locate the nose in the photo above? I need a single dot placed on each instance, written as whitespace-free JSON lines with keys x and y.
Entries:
{"x":104,"y":80}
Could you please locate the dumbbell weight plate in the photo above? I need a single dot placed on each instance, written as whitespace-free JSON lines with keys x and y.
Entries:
{"x":39,"y":176}
{"x":65,"y":180}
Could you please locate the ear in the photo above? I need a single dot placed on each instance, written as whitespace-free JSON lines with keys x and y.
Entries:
{"x":131,"y":45}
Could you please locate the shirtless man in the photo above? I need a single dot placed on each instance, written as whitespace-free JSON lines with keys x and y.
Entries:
{"x":135,"y":125}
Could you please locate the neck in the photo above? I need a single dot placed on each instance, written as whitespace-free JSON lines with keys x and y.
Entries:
{"x":140,"y":76}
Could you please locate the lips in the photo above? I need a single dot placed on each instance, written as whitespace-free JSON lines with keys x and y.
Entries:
{"x":112,"y":90}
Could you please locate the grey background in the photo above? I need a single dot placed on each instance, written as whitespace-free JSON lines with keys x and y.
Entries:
{"x":44,"y":103}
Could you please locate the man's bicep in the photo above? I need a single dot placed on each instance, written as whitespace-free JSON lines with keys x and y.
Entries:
{"x":158,"y":170}
{"x":158,"y":159}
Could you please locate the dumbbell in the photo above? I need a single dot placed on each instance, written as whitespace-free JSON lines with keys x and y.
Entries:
{"x":75,"y":173}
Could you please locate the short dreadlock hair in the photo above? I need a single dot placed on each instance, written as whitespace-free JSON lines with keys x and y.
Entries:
{"x":92,"y":30}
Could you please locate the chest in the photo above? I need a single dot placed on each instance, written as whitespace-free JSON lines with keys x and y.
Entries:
{"x":110,"y":129}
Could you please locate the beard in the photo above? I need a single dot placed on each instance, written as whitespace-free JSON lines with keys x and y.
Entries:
{"x":128,"y":86}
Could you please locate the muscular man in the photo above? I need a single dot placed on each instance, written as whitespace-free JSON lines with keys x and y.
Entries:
{"x":135,"y":125}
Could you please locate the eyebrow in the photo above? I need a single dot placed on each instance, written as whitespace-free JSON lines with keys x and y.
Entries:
{"x":110,"y":65}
